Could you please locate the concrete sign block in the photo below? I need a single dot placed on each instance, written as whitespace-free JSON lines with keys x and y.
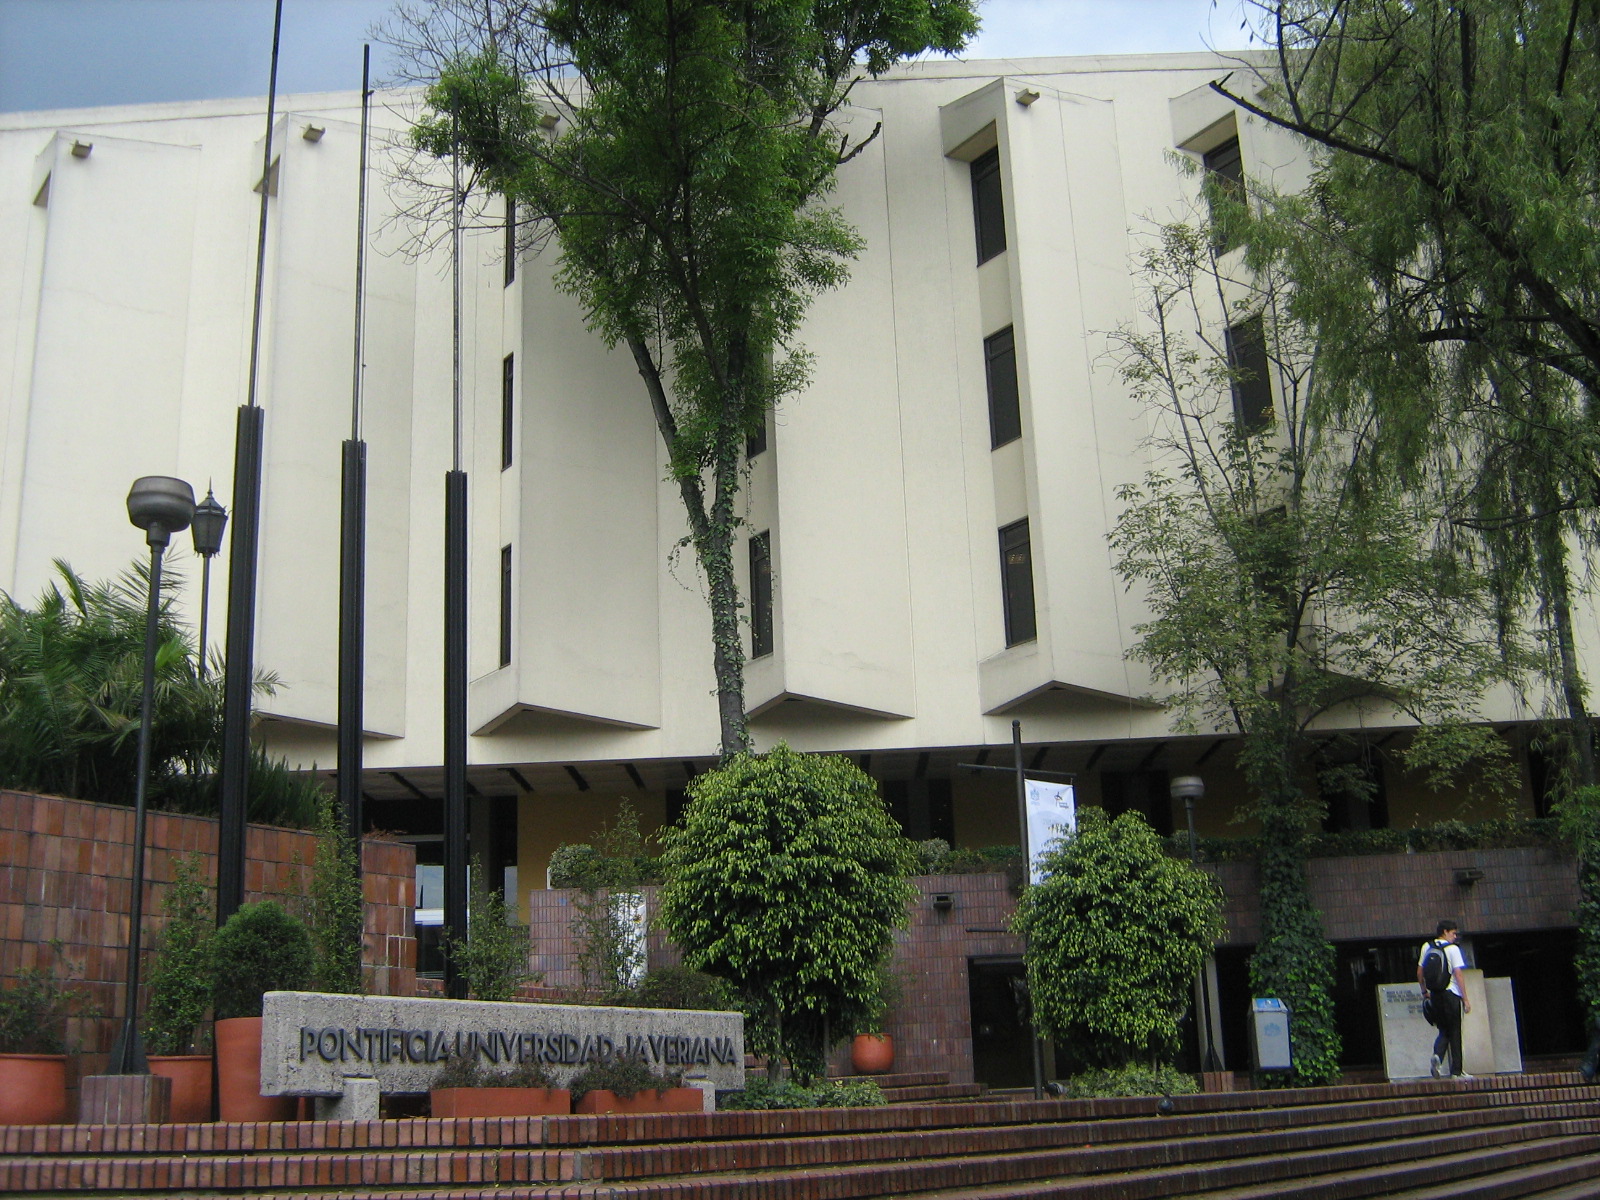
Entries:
{"x":311,"y":1042}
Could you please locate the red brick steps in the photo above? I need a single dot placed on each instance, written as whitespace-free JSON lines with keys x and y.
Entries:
{"x":1517,"y":1137}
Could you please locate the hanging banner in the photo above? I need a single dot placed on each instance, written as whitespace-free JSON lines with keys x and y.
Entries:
{"x":1051,"y":814}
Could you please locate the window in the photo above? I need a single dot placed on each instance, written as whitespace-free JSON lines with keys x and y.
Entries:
{"x":1000,"y":366}
{"x":1225,"y":169}
{"x":511,"y":242}
{"x":508,"y":407}
{"x":505,"y":606}
{"x":761,"y":594}
{"x":756,"y":443}
{"x":1144,"y":792}
{"x":1353,"y":794}
{"x":1016,"y":583}
{"x":1224,"y":172}
{"x":1252,"y":375}
{"x":988,"y":205}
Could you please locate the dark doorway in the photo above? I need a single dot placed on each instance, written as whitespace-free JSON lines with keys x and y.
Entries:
{"x":1359,"y":967}
{"x":1539,"y":965}
{"x":1002,"y":1043}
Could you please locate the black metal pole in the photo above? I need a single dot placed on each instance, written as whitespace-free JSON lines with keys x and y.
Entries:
{"x":1022,"y":826}
{"x":455,"y":631}
{"x":243,"y":552}
{"x":1209,"y":1061}
{"x":205,"y":608}
{"x":239,"y":670}
{"x":127,"y":1056}
{"x":353,"y":534}
{"x":455,"y":721}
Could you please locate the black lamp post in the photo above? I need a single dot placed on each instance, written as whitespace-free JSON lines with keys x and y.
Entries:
{"x":160,"y":506}
{"x":210,"y":519}
{"x":1190,"y":788}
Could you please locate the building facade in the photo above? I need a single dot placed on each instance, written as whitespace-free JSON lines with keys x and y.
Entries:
{"x":925,"y":556}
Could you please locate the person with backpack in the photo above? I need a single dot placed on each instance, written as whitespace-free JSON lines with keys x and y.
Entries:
{"x":1439,"y":971}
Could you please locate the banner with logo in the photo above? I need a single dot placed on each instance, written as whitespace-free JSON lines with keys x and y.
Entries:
{"x":1051,"y":815}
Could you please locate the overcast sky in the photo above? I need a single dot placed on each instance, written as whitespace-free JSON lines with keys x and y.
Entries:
{"x":75,"y":53}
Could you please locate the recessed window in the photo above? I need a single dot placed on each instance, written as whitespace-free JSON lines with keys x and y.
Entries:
{"x":1252,"y":375}
{"x":988,"y":205}
{"x":1224,"y":169}
{"x":508,"y":407}
{"x":1000,"y":367}
{"x":511,"y":242}
{"x":505,"y":606}
{"x":756,"y":443}
{"x":1016,"y":583}
{"x":761,"y":594}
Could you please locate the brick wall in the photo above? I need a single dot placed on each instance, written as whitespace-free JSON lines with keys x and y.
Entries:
{"x":1403,"y":895}
{"x":66,"y":874}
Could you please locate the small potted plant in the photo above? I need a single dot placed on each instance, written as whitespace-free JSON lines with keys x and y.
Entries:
{"x":34,"y":1009}
{"x":180,"y":994}
{"x":466,"y":1088}
{"x":872,"y":1050}
{"x":624,"y":1084}
{"x":259,"y":949}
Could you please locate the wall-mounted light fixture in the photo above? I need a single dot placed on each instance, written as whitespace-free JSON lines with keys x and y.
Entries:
{"x":1026,"y":96}
{"x":943,"y":902}
{"x":313,"y":133}
{"x":81,"y":149}
{"x":1467,"y":876}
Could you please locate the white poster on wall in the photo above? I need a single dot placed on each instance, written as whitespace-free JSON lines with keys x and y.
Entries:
{"x":1051,"y":815}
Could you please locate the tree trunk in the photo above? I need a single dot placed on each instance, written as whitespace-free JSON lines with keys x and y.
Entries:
{"x":1579,"y":730}
{"x":1293,"y":961}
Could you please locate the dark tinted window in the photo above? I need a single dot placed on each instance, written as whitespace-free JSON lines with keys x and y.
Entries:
{"x":511,"y":243}
{"x":761,"y":594}
{"x":756,"y":443}
{"x":1252,"y":375}
{"x":1225,"y":175}
{"x":1016,"y":582}
{"x":508,"y":404}
{"x":988,"y":205}
{"x":505,"y":606}
{"x":1000,"y":366}
{"x":1225,"y":168}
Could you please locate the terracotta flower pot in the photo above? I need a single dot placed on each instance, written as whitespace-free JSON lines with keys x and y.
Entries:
{"x":500,"y":1102}
{"x":33,"y":1089}
{"x":872,"y":1053}
{"x":239,"y":1098}
{"x":191,"y":1084}
{"x":683,"y":1099}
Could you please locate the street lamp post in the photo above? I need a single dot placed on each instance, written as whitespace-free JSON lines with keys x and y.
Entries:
{"x":160,"y":506}
{"x":1190,"y":788}
{"x":210,"y":519}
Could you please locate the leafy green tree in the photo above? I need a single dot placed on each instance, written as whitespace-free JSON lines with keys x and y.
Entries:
{"x":180,"y":970}
{"x":335,"y":909}
{"x":1117,"y":931}
{"x":1447,"y":253}
{"x":1288,"y":590}
{"x":685,"y":187}
{"x":787,"y":878}
{"x":71,"y":682}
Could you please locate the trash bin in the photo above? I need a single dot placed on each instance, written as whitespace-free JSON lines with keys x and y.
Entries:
{"x":1269,"y":1034}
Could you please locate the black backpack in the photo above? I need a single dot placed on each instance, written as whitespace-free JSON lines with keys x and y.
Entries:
{"x":1436,"y":967}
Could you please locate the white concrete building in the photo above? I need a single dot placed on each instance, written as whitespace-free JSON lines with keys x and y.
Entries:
{"x":1000,"y":208}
